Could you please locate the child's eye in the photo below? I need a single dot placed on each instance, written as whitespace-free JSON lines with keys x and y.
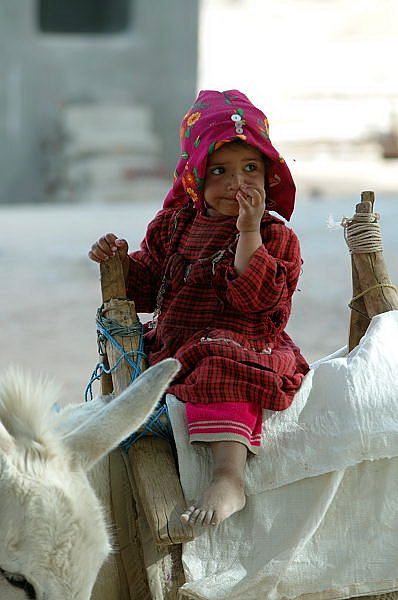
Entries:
{"x":251,"y":167}
{"x":217,"y":171}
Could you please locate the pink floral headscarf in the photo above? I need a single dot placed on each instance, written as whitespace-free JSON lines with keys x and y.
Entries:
{"x":217,"y":118}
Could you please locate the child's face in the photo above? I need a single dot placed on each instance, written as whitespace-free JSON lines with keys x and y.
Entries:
{"x":227,"y":168}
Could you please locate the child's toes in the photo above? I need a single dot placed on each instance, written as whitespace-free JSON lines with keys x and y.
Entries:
{"x":200,"y":519}
{"x":186,"y":515}
{"x":193,"y":520}
{"x":210,"y":518}
{"x":197,"y":517}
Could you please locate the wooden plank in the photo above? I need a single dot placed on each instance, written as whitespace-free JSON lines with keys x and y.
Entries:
{"x":163,"y":563}
{"x":160,"y":493}
{"x":133,"y":579}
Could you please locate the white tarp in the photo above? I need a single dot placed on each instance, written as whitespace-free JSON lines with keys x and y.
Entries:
{"x":321,"y":518}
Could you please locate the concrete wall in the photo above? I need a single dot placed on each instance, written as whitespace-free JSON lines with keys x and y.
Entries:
{"x":154,"y":63}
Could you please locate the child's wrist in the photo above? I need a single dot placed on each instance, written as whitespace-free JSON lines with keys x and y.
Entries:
{"x":256,"y":230}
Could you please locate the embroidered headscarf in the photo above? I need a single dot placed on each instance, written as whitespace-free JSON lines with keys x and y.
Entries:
{"x":217,"y":118}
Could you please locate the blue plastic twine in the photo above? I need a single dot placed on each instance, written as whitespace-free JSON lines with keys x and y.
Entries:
{"x":154,"y":425}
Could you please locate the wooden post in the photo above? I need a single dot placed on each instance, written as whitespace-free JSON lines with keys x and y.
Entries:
{"x":150,"y":463}
{"x":359,"y":321}
{"x":369,"y":270}
{"x":359,"y":317}
{"x":122,"y":311}
{"x":129,"y":558}
{"x":112,"y":286}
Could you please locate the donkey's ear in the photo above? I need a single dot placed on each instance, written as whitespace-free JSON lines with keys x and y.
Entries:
{"x":73,"y":415}
{"x":7,"y":443}
{"x":122,"y":416}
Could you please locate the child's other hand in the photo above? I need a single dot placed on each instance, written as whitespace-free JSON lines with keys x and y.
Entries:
{"x":251,"y":208}
{"x":107,"y":246}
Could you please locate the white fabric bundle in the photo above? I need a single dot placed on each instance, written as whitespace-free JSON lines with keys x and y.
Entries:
{"x":322,"y":494}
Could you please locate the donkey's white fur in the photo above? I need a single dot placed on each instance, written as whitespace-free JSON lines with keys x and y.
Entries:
{"x":52,"y":529}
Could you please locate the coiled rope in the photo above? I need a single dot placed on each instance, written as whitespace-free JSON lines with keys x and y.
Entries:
{"x":362,"y":234}
{"x":158,"y":423}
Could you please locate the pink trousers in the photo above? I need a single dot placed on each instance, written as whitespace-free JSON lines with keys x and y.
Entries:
{"x":225,"y":421}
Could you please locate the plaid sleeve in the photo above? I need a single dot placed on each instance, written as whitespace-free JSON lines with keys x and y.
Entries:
{"x":272,"y":274}
{"x":145,"y":268}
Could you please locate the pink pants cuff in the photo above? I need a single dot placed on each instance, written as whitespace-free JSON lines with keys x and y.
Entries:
{"x":225,"y":421}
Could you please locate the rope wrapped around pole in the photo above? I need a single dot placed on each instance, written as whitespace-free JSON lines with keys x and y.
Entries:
{"x":373,"y":291}
{"x":362,"y":233}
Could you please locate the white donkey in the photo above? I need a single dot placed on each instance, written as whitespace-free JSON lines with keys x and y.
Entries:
{"x":53,"y":533}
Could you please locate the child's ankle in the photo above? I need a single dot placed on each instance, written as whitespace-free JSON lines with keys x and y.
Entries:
{"x":229,"y":473}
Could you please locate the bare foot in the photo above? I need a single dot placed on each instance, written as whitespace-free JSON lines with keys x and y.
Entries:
{"x":225,"y":496}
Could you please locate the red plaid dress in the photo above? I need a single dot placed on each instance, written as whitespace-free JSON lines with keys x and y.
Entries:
{"x":226,"y":330}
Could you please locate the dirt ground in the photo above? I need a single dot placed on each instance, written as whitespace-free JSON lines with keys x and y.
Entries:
{"x":50,"y":289}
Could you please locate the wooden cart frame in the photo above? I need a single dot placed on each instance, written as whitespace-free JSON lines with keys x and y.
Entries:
{"x":146,"y":492}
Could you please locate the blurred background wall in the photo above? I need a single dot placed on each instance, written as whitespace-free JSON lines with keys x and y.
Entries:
{"x":324,"y":72}
{"x":92,"y":91}
{"x":64,"y":60}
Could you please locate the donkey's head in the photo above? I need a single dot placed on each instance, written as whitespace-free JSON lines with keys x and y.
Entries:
{"x":53,"y":536}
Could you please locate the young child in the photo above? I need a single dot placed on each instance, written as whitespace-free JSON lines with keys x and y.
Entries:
{"x":218,"y":271}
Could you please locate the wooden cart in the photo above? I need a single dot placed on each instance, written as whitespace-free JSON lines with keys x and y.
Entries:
{"x":146,"y":492}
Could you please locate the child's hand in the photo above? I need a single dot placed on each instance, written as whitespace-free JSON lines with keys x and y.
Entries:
{"x":251,"y":208}
{"x":107,"y":246}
